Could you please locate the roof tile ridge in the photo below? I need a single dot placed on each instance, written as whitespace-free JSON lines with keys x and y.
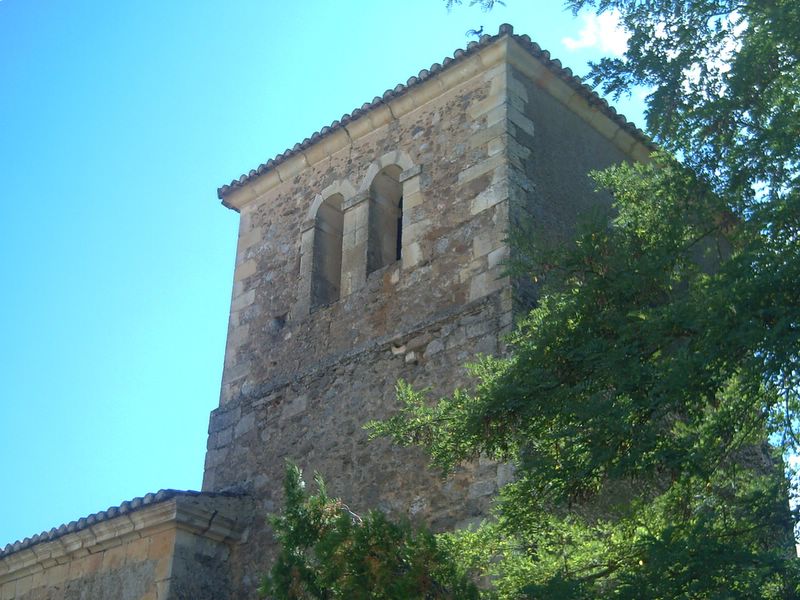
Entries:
{"x":111,"y":512}
{"x":506,"y":29}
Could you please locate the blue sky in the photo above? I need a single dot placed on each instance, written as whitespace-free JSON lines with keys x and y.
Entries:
{"x":118,"y":121}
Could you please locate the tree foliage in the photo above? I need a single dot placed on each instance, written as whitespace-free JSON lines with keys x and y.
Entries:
{"x":724,"y":81}
{"x":649,"y":402}
{"x":486,"y":5}
{"x":329,"y":552}
{"x":635,"y":404}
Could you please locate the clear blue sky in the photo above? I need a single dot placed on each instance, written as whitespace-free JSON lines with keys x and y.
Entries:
{"x":118,"y":121}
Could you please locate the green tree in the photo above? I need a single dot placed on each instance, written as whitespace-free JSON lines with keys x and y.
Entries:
{"x":724,"y":81}
{"x":635,"y":405}
{"x":649,"y":401}
{"x":329,"y":552}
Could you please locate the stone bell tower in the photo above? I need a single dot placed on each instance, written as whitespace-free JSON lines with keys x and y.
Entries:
{"x":374,"y":251}
{"x":370,"y":252}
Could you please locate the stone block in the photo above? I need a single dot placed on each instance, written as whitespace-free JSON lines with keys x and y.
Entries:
{"x":162,"y":589}
{"x":517,"y":154}
{"x":479,"y":286}
{"x":238,"y":336}
{"x":434,"y":347}
{"x":485,"y":166}
{"x":516,"y":102}
{"x":415,"y":231}
{"x":483,"y":244}
{"x":354,"y":201}
{"x":248,"y":239}
{"x":408,"y":174}
{"x":23,"y":586}
{"x":491,"y":196}
{"x":412,"y":255}
{"x":412,"y":200}
{"x":497,"y":256}
{"x":480,"y":328}
{"x":418,"y":342}
{"x":294,"y":407}
{"x":487,"y":344}
{"x":216,"y":457}
{"x":222,"y":418}
{"x":496,"y":146}
{"x":497,"y":115}
{"x":479,"y":489}
{"x":517,"y":88}
{"x":245,"y":425}
{"x":485,"y":135}
{"x":39,"y":581}
{"x":136,"y":551}
{"x":246,"y":269}
{"x":59,"y":573}
{"x":243,"y":300}
{"x":519,"y":119}
{"x":505,"y":474}
{"x":161,"y":545}
{"x":8,"y":590}
{"x":224,"y":437}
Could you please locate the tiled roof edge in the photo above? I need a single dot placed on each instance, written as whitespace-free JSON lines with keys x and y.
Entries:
{"x":505,"y":29}
{"x":126,"y":507}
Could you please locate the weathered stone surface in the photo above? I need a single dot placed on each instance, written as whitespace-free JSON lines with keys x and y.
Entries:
{"x":319,"y":333}
{"x":156,"y":550}
{"x":472,"y":160}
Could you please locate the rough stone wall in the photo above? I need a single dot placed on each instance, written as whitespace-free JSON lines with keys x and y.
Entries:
{"x":555,"y":139}
{"x":173,"y":549}
{"x":137,"y":569}
{"x":271,"y":333}
{"x":299,"y":382}
{"x":199,"y":569}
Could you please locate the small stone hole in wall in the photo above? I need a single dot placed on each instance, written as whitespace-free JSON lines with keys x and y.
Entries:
{"x":275,"y":324}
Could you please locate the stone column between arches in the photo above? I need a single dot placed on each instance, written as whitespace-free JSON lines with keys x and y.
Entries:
{"x":413,"y":227}
{"x":354,"y":243}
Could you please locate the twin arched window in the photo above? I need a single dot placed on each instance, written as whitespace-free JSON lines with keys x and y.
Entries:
{"x":384,"y":235}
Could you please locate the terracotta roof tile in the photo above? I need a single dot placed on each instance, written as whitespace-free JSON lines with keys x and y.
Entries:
{"x":505,"y":30}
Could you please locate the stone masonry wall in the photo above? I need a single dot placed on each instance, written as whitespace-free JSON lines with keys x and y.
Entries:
{"x":300,"y":385}
{"x":316,"y":421}
{"x":147,"y":549}
{"x":497,"y":142}
{"x":133,"y":570}
{"x":555,"y":139}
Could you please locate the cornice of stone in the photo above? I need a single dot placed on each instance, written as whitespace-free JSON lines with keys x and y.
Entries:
{"x":196,"y":513}
{"x":364,"y":121}
{"x":428,"y":85}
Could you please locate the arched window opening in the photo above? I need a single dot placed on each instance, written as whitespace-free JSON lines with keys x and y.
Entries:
{"x":326,"y":272}
{"x":385,"y":219}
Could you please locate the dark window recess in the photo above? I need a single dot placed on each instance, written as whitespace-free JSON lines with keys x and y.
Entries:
{"x":399,"y":249}
{"x":385,"y":219}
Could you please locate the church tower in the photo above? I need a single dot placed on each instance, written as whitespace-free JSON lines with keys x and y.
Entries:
{"x":374,"y":250}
